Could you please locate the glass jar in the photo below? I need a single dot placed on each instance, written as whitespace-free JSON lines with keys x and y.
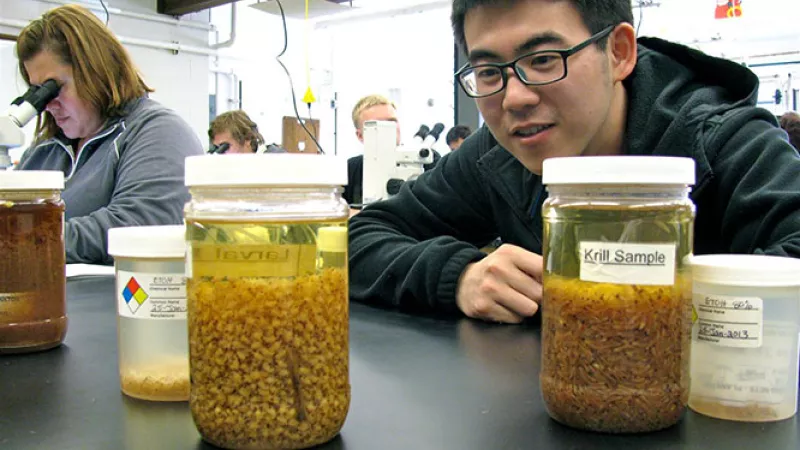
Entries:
{"x":151,"y":311}
{"x":267,"y":299}
{"x":32,"y":266}
{"x":617,"y":298}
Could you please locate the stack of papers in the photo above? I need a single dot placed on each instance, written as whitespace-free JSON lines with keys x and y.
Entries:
{"x":82,"y":270}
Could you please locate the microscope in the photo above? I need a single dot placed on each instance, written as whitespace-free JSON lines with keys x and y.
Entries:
{"x":387,"y":166}
{"x":22,"y":110}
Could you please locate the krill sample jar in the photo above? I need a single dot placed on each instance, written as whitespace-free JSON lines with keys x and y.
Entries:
{"x":268,"y":299}
{"x":616,"y":307}
{"x":151,"y":306}
{"x":32,"y":261}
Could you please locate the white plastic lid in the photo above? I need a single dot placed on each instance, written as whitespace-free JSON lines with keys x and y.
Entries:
{"x":746,"y":270}
{"x":29,"y":180}
{"x":618,"y":170}
{"x":165,"y":241}
{"x":269,"y":169}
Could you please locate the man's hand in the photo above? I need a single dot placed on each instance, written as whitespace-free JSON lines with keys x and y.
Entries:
{"x":506,"y":286}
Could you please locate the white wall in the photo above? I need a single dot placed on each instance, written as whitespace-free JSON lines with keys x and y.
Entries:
{"x":766,"y":37}
{"x":180,"y":80}
{"x":266,"y":96}
{"x":408,"y":58}
{"x":347,"y":61}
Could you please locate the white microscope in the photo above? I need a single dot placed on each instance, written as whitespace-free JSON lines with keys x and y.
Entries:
{"x":387,"y":166}
{"x":22,"y":111}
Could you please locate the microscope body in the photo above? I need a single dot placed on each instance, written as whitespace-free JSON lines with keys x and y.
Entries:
{"x":387,"y":166}
{"x":11,"y":136}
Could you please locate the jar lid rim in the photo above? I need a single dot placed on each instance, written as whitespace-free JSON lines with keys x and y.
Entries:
{"x":29,"y":180}
{"x":619,"y":170}
{"x":159,"y":241}
{"x":267,"y":169}
{"x":745,"y":270}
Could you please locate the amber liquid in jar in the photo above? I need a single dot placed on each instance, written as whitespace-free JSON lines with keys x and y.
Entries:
{"x":615,"y":357}
{"x":32,"y":276}
{"x":268,"y":334}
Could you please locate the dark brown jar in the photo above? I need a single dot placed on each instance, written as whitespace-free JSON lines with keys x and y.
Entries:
{"x":32,"y":261}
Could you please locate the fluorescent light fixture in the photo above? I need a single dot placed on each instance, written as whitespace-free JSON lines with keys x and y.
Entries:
{"x":296,"y":9}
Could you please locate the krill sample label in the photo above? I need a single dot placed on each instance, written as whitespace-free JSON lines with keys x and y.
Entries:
{"x":729,"y":321}
{"x":151,"y":295}
{"x":622,"y":263}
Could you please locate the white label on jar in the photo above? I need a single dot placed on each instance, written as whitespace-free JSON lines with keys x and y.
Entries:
{"x":729,"y":321}
{"x":740,"y":377}
{"x":151,"y":295}
{"x":619,"y":263}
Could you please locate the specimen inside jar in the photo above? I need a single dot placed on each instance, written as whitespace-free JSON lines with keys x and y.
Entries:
{"x":748,"y":412}
{"x":166,"y":381}
{"x":615,"y":356}
{"x":269,"y":358}
{"x":32,"y":277}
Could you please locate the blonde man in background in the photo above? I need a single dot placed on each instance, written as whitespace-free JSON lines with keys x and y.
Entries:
{"x":374,"y":107}
{"x":122,"y":154}
{"x":371,"y":107}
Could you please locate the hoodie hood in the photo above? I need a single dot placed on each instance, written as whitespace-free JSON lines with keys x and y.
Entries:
{"x":676,"y":95}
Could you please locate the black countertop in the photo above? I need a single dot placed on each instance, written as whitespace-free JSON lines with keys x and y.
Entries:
{"x":417,"y":383}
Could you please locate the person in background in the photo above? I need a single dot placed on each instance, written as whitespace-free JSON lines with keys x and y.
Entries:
{"x":790,"y":122}
{"x":568,"y":78}
{"x":122,"y":154}
{"x":235,"y":132}
{"x":370,"y":107}
{"x":456,"y":135}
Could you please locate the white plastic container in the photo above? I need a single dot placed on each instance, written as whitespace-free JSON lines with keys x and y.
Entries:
{"x":745,"y":337}
{"x":151,"y":300}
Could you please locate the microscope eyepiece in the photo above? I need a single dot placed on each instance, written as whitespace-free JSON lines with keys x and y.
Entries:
{"x":42,"y":95}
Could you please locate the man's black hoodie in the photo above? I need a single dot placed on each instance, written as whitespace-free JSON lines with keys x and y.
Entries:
{"x":410,"y":250}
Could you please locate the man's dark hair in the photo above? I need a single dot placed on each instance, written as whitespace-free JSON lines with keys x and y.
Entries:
{"x":457,"y":132}
{"x":790,"y":122}
{"x":596,"y":14}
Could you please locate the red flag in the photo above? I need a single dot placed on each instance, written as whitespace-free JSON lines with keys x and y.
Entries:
{"x":728,"y":8}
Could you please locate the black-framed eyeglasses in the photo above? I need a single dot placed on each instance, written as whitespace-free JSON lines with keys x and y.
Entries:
{"x":534,"y":69}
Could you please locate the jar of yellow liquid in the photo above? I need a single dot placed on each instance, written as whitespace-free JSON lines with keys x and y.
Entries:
{"x":616,"y":308}
{"x":267,"y":299}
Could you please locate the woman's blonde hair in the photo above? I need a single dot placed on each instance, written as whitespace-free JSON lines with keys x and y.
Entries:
{"x":104,"y":74}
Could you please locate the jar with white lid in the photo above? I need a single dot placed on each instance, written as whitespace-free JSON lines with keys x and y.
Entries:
{"x":33,"y":312}
{"x":151,"y":304}
{"x":616,"y":308}
{"x":268,"y":299}
{"x":745,"y":337}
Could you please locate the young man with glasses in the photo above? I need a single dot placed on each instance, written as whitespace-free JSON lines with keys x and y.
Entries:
{"x":567,"y":78}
